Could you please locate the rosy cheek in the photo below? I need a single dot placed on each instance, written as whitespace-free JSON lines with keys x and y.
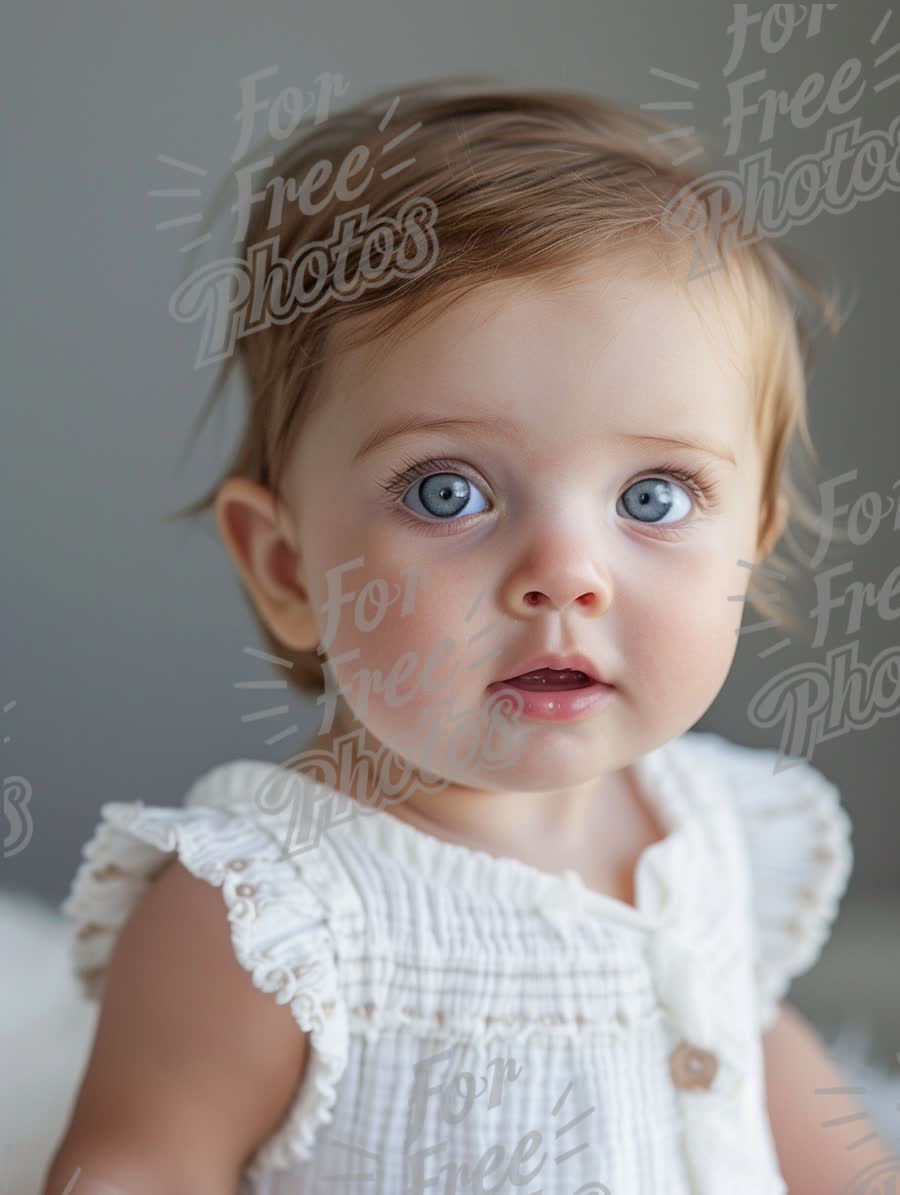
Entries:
{"x":386,"y":620}
{"x":676,"y":622}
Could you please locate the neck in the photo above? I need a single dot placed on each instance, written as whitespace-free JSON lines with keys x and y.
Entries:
{"x":514,"y":822}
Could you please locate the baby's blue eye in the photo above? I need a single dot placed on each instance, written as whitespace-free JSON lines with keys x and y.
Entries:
{"x":444,"y":495}
{"x":651,"y":500}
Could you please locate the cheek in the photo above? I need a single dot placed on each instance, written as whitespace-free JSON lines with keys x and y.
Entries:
{"x":682,"y":627}
{"x":408,"y":625}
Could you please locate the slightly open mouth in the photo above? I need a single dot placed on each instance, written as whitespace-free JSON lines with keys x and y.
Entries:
{"x":551,"y":679}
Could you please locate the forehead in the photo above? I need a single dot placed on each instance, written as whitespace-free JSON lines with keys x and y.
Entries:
{"x":617,"y":343}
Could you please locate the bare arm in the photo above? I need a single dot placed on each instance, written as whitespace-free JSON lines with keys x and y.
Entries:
{"x":191,"y":1068}
{"x":813,"y":1138}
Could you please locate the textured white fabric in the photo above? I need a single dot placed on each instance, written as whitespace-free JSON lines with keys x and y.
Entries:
{"x":479,"y":1024}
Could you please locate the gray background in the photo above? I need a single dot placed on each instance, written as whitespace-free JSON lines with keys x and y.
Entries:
{"x":123,"y":636}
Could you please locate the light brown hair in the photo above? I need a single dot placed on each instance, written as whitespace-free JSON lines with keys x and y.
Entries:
{"x":526,"y":182}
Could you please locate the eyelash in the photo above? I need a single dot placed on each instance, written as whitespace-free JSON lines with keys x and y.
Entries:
{"x":696,"y":479}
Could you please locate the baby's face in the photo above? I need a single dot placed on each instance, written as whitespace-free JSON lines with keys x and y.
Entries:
{"x":537,"y":534}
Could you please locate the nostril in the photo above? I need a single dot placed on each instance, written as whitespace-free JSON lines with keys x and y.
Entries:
{"x":533,"y":598}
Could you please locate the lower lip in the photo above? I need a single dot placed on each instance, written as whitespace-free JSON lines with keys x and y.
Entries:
{"x":558,"y":705}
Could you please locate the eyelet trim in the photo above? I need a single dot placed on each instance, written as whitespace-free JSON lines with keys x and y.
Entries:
{"x":279,"y":929}
{"x":370,"y":1022}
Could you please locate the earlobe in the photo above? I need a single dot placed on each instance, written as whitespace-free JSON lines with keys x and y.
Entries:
{"x":259,"y":539}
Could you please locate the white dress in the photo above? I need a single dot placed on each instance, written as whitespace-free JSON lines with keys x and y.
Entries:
{"x":478,"y":1024}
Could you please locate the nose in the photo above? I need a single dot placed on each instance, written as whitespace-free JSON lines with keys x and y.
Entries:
{"x":561,"y":576}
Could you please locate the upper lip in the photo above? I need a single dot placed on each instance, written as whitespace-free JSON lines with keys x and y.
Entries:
{"x":577,"y":662}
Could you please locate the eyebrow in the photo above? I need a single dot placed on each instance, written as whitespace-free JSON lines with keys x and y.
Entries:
{"x":500,"y":428}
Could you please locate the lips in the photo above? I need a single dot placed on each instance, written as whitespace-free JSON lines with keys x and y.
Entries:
{"x":553,"y":689}
{"x":550,"y":671}
{"x":549,"y":678}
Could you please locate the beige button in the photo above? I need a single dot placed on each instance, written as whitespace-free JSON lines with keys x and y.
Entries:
{"x":692,"y":1067}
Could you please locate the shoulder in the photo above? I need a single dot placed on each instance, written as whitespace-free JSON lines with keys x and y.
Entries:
{"x":794,"y":838}
{"x":183,"y":1036}
{"x":211,"y":896}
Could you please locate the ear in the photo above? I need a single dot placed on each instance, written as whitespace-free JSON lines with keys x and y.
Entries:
{"x":260,"y":540}
{"x":771,"y":527}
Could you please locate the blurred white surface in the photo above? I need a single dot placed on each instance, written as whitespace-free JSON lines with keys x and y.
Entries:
{"x":46,"y":1027}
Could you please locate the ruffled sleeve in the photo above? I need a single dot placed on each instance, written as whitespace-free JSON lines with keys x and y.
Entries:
{"x":797,"y":838}
{"x":280,"y":929}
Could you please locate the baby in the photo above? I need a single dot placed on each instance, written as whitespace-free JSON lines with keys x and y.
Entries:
{"x":511,"y":465}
